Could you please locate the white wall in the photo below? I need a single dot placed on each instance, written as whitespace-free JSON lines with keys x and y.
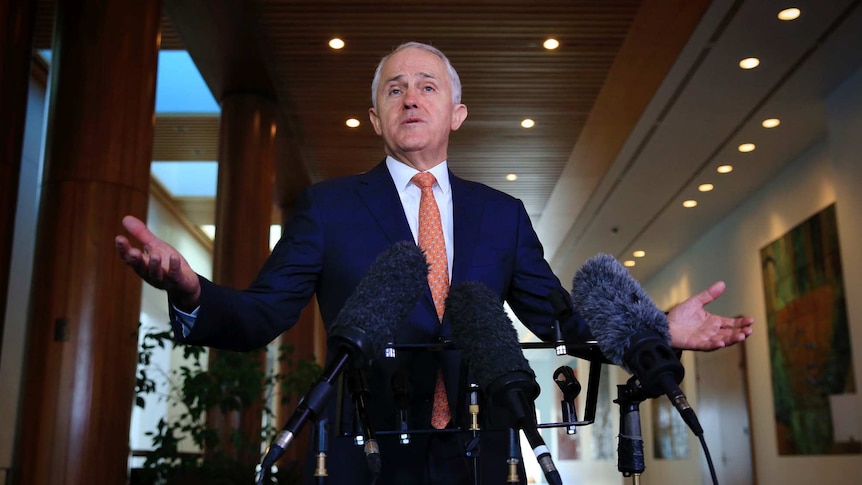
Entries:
{"x":828,"y":172}
{"x":154,"y":317}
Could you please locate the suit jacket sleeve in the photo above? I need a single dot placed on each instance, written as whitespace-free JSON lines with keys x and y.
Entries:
{"x":249,"y":319}
{"x":532,"y":282}
{"x":497,"y":245}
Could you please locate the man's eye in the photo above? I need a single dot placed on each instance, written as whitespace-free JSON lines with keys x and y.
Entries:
{"x":394,"y":91}
{"x":429,"y":89}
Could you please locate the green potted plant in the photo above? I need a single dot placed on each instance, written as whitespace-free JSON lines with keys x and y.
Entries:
{"x":230,"y":384}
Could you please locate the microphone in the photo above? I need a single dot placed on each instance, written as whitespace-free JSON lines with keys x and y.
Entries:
{"x":383,"y":298}
{"x":630,"y":449}
{"x":630,"y":330}
{"x":484,"y":332}
{"x":561,"y":303}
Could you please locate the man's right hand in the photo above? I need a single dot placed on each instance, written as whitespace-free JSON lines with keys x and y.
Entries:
{"x":159,"y":264}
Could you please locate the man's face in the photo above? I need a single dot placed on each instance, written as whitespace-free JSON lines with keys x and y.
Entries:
{"x":414,"y":112}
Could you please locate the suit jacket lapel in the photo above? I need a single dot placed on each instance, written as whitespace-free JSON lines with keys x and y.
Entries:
{"x":467,"y":211}
{"x":378,"y":191}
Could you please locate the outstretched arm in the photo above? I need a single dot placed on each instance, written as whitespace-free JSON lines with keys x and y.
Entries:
{"x":159,"y":264}
{"x":694,"y":328}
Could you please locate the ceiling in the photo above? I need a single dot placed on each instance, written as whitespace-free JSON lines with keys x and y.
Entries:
{"x":638,"y":106}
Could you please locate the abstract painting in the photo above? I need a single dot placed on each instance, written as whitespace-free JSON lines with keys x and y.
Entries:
{"x":809,"y":341}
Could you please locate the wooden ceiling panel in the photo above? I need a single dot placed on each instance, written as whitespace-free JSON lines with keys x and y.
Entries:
{"x":494,"y":44}
{"x":496,"y":47}
{"x":186,"y":138}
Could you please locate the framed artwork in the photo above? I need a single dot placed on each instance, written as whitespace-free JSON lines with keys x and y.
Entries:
{"x":670,"y":433}
{"x":809,"y":342}
{"x":603,"y":430}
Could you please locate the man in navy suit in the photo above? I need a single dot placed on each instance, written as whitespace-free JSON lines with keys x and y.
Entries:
{"x":342,"y":225}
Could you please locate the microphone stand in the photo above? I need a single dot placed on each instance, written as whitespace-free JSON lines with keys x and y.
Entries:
{"x":310,"y":406}
{"x":401,"y":389}
{"x":630,"y":450}
{"x":320,"y":471}
{"x":513,"y":460}
{"x":569,"y":386}
{"x":360,"y":392}
{"x":473,"y":445}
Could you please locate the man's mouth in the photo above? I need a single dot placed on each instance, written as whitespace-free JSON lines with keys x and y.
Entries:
{"x":412,"y":120}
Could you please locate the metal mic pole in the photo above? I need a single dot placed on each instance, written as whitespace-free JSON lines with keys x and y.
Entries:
{"x":320,"y":472}
{"x":630,"y":450}
{"x":514,"y":459}
{"x":360,"y":392}
{"x":473,"y":445}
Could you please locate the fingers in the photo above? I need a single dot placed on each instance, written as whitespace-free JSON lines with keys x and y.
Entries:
{"x":138,"y":230}
{"x":155,"y":272}
{"x":710,"y":294}
{"x":122,"y":245}
{"x":737,"y":329}
{"x":174,"y":267}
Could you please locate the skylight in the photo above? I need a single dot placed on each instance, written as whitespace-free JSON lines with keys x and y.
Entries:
{"x":180,"y":87}
{"x":187,"y":179}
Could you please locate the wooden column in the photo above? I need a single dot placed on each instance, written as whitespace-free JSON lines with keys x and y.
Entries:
{"x":243,"y":215}
{"x":291,"y":175}
{"x":16,"y":19}
{"x":82,"y":336}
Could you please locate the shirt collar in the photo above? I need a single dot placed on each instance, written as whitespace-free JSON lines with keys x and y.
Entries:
{"x":402,"y":173}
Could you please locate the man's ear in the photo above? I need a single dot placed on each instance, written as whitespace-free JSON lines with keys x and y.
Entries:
{"x":375,"y":120}
{"x":459,"y":114}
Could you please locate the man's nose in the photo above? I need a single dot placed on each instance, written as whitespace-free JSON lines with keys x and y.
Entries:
{"x":410,"y":100}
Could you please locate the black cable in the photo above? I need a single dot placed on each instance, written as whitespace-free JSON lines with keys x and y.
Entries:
{"x":708,"y":460}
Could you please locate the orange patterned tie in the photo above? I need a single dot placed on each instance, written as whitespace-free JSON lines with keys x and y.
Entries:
{"x":432,"y":243}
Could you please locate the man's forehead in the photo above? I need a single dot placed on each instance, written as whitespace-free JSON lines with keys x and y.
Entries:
{"x":402,"y":77}
{"x":414,"y":62}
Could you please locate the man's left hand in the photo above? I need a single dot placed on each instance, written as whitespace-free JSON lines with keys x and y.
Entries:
{"x":694,"y":328}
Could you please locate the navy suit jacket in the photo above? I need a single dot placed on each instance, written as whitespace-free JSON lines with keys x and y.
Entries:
{"x":338,"y":230}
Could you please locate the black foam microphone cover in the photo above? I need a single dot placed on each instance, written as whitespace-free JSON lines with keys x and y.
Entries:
{"x":384,"y":297}
{"x":615,"y":307}
{"x":490,"y":345}
{"x":481,"y":328}
{"x":630,"y":330}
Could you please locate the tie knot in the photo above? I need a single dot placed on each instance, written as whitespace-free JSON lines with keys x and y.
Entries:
{"x":424,"y":179}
